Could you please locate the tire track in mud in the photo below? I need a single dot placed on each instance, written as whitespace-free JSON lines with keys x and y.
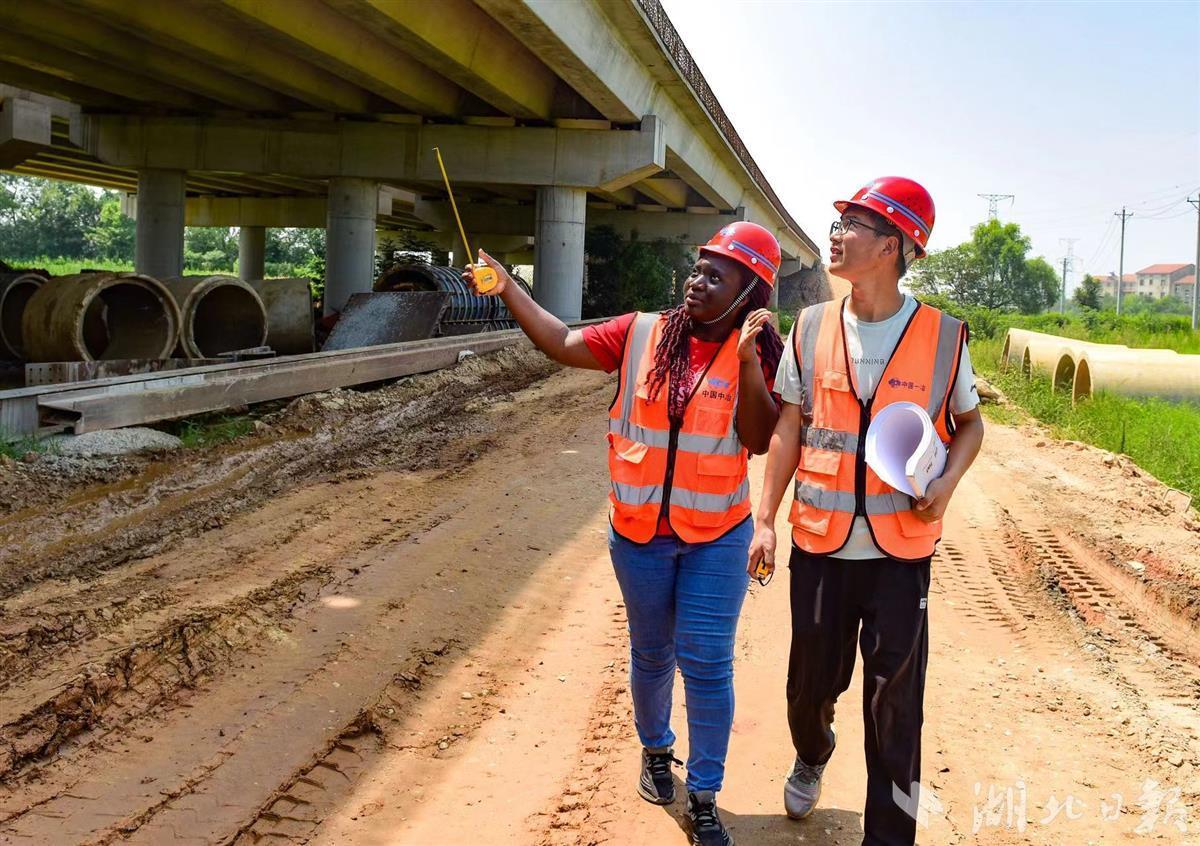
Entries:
{"x":92,"y":784}
{"x":299,"y":805}
{"x":580,"y":816}
{"x":1161,"y":682}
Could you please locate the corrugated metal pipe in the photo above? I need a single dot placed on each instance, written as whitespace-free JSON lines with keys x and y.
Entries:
{"x":467,"y":312}
{"x":100,"y":316}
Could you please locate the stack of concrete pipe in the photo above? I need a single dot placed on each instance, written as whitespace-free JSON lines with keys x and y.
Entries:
{"x":16,"y":290}
{"x":100,"y":316}
{"x":1084,"y":367}
{"x":219,"y":314}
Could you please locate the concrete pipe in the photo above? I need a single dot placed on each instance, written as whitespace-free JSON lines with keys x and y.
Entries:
{"x":1043,"y":355}
{"x":220,"y":314}
{"x":101,"y":316}
{"x":1015,"y":342}
{"x":289,"y":307}
{"x":1137,"y":373}
{"x":16,"y":289}
{"x":1030,"y":350}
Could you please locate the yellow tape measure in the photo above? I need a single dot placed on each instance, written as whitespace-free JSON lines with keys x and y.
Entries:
{"x":485,"y":277}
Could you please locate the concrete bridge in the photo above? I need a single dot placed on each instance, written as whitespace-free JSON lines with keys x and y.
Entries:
{"x":552,"y":116}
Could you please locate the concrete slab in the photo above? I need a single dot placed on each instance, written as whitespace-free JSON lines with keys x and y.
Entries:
{"x":387,"y":317}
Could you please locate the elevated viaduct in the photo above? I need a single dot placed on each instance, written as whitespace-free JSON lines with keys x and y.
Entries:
{"x":552,"y":115}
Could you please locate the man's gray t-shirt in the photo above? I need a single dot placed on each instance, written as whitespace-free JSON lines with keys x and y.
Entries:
{"x":870,"y":346}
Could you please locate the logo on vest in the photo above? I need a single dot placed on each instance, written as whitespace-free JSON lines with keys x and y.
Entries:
{"x":720,"y":389}
{"x":906,"y":383}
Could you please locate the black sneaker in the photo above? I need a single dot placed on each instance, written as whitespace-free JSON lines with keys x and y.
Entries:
{"x":706,"y":826}
{"x":656,"y":784}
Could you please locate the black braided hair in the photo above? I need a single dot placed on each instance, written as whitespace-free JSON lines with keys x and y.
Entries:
{"x":672,"y":358}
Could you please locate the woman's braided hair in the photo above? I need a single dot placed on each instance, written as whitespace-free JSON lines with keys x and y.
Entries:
{"x":672,"y":358}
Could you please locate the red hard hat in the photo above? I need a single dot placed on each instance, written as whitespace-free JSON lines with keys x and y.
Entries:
{"x":750,"y":244}
{"x":904,"y":202}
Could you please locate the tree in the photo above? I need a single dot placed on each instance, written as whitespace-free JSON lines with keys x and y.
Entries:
{"x":45,"y":217}
{"x":631,"y":275}
{"x":991,"y":270}
{"x":954,"y":273}
{"x":1087,"y":295}
{"x":209,"y":248}
{"x":112,"y":237}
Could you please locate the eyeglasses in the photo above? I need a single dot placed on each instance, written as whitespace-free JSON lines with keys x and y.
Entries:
{"x":842,"y":226}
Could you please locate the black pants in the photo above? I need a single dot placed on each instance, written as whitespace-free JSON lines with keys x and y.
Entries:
{"x":830,"y":597}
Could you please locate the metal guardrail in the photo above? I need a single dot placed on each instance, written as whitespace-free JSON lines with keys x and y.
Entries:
{"x":690,"y":71}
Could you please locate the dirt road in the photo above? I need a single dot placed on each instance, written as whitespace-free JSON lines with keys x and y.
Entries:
{"x":389,"y":618}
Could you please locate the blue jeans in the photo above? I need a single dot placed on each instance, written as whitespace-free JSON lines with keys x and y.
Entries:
{"x":683,"y":601}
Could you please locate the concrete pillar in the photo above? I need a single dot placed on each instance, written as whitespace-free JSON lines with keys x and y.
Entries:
{"x":252,"y":252}
{"x":158,"y":244}
{"x":349,"y":240}
{"x":558,"y":250}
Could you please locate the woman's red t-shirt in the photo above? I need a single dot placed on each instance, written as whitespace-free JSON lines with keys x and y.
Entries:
{"x":607,"y":342}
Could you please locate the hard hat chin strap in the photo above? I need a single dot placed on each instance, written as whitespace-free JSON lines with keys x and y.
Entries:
{"x":733,"y":305}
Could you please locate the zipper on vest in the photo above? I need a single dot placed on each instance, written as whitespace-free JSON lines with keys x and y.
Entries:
{"x":672,"y":447}
{"x":860,"y":459}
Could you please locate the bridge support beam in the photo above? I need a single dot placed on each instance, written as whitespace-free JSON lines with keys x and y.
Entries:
{"x":158,"y":236}
{"x":349,"y":240}
{"x":252,"y":252}
{"x":559,"y":221}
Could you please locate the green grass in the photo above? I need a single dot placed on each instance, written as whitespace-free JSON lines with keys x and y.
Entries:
{"x":1162,"y":437}
{"x":210,"y":429}
{"x":18,"y":448}
{"x":69,"y":266}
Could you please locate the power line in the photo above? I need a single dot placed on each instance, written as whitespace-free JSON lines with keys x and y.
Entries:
{"x":1104,"y":240}
{"x":1151,"y":197}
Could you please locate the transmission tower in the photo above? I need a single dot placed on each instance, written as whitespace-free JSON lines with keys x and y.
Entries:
{"x":1068,"y":264}
{"x":994,"y":201}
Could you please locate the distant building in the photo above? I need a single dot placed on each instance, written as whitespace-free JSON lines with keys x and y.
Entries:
{"x":1184,"y":287}
{"x":1108,"y":284}
{"x":1160,"y":280}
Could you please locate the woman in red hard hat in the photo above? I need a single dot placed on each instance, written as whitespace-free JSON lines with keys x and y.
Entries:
{"x":694,"y":398}
{"x":861,"y":550}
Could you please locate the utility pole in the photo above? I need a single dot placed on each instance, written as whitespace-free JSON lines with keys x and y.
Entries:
{"x":1196,"y":275}
{"x":1068,"y":263}
{"x":1121,"y":267}
{"x":993,"y":202}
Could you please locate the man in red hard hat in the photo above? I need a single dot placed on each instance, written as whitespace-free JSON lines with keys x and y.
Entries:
{"x":861,"y":551}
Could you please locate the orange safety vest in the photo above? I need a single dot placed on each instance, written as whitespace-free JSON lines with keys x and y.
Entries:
{"x":696,"y":470}
{"x":833,"y":482}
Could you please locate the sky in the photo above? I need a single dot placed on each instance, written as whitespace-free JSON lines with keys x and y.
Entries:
{"x":1076,"y":108}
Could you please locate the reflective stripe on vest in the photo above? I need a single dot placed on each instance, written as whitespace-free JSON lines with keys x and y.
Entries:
{"x":708,"y":489}
{"x":921,"y":369}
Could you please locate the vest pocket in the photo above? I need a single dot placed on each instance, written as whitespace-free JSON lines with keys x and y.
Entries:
{"x":820,"y":461}
{"x":835,"y":380}
{"x":713,"y":422}
{"x":912,"y":526}
{"x":812,"y":520}
{"x":634,"y":452}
